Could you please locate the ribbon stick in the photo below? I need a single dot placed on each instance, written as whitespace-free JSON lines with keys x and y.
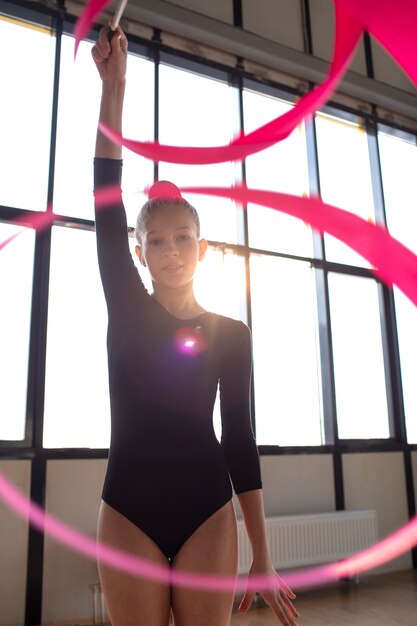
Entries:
{"x":118,"y":15}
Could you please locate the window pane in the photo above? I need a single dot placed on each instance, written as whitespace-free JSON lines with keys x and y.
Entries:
{"x":16,"y":273}
{"x":283,"y":168}
{"x":77,"y":412}
{"x":198,"y":111}
{"x":361,"y":397}
{"x":25,"y":120}
{"x":220,"y":287}
{"x":345,"y":178}
{"x":220,"y":284}
{"x":285,"y":347}
{"x":79,"y":103}
{"x":406,"y":314}
{"x":398,"y":168}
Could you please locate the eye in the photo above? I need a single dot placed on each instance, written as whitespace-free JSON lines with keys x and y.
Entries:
{"x":183,"y":237}
{"x":154,"y":242}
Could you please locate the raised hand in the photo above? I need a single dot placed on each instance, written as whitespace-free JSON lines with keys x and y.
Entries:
{"x":110,"y":56}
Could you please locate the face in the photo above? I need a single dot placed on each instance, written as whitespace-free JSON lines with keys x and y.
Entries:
{"x":170,"y":247}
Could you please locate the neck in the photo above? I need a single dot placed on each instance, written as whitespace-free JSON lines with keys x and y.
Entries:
{"x":179,"y":302}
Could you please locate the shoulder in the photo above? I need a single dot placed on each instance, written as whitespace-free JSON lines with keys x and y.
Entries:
{"x":233,"y":332}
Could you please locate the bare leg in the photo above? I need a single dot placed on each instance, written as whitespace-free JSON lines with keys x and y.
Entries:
{"x":131,"y":601}
{"x":212,"y":549}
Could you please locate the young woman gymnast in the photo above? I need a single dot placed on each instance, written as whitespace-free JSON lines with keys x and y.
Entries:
{"x":167,"y":495}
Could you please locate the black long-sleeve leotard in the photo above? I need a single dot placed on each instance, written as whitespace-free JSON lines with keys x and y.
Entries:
{"x":167,"y":472}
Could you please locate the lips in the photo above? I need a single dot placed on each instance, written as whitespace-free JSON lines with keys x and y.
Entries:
{"x":172,"y":268}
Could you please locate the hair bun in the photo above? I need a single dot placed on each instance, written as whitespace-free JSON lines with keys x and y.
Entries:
{"x":163,"y":189}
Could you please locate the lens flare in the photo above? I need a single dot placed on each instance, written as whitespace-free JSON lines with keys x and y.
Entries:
{"x":190,"y":341}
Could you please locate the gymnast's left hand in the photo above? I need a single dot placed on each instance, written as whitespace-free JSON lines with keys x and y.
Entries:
{"x":278,"y":596}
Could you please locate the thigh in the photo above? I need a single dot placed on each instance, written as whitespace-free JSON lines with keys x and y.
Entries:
{"x":131,"y":601}
{"x":212,"y":549}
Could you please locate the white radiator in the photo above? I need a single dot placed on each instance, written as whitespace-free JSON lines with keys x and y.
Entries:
{"x":301,"y":540}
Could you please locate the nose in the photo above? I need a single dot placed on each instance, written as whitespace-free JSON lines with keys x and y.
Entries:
{"x":171,"y":249}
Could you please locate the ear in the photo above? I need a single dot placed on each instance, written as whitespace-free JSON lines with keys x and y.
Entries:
{"x":203,"y":245}
{"x":139,"y":254}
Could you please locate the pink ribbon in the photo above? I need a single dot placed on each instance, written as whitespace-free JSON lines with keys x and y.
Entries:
{"x":393,"y":23}
{"x":347,"y":34}
{"x":86,"y":19}
{"x":393,"y":262}
{"x":394,"y":545}
{"x":38,"y":221}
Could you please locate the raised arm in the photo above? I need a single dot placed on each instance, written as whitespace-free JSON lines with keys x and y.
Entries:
{"x":110,"y":59}
{"x":118,"y":272}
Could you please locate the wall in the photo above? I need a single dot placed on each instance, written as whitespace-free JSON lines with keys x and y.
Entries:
{"x":377,"y":481}
{"x":282,"y":21}
{"x":13,"y":548}
{"x":73,"y":491}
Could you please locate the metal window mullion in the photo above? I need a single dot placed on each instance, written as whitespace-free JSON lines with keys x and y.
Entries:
{"x":322,"y":298}
{"x":307,"y":28}
{"x":368,"y":55}
{"x":243,"y":210}
{"x":325,"y":335}
{"x":37,"y":365}
{"x":156,"y":57}
{"x":243,"y":214}
{"x":237,"y":14}
{"x":391,"y":353}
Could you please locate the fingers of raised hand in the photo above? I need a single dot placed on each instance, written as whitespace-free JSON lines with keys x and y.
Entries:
{"x":122,"y":39}
{"x":101,"y":49}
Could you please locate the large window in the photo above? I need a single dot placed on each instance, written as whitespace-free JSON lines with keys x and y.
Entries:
{"x":25,"y":120}
{"x":319,"y":330}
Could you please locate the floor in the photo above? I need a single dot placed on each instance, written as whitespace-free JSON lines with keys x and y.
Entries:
{"x":388,"y":600}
